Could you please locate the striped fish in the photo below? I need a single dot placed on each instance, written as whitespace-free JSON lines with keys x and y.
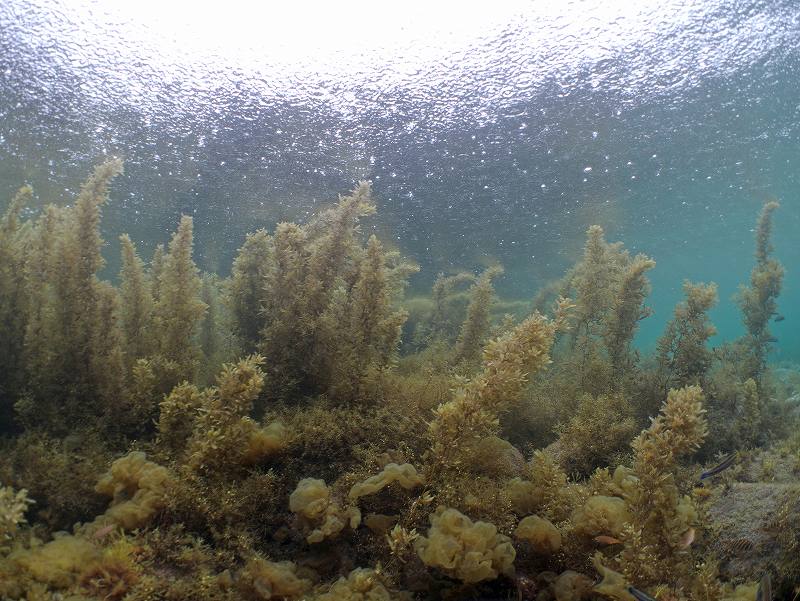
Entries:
{"x":740,"y":545}
{"x":639,"y":595}
{"x":721,"y":467}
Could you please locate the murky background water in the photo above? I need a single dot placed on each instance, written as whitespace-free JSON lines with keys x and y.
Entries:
{"x":491,"y":134}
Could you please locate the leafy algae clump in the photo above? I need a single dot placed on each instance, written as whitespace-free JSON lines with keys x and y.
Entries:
{"x":13,"y":250}
{"x":597,"y":434}
{"x":470,"y":551}
{"x":310,"y":499}
{"x":405,"y":475}
{"x":475,"y":328}
{"x":138,"y":488}
{"x":601,"y":515}
{"x":262,"y":579}
{"x":136,"y":303}
{"x":72,"y":347}
{"x":325,"y":518}
{"x":360,"y":585}
{"x":540,"y":533}
{"x":683,"y":357}
{"x":58,"y":563}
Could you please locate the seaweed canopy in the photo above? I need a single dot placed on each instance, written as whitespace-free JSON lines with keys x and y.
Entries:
{"x":178,"y":309}
{"x":587,"y":398}
{"x":226,"y":504}
{"x":13,"y":249}
{"x":609,"y":287}
{"x":76,"y":351}
{"x":317,"y":303}
{"x":72,"y":344}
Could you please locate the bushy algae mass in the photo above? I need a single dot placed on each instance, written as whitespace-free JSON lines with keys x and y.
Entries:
{"x":300,"y":430}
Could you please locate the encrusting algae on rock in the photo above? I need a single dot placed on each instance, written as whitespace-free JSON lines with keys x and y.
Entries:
{"x":182,"y":435}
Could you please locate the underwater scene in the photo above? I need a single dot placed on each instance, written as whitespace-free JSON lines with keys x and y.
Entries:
{"x":422,"y":302}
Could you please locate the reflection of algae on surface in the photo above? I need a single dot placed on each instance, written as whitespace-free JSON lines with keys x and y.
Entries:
{"x":252,"y":484}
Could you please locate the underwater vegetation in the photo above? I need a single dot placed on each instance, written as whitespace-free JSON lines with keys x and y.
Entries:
{"x":302,"y":430}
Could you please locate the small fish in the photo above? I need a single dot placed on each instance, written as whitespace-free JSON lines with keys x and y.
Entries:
{"x":103,"y":532}
{"x":771,"y":339}
{"x":687,"y":538}
{"x":779,"y":317}
{"x":764,"y":588}
{"x":721,"y":467}
{"x":740,"y":545}
{"x":639,"y":595}
{"x":604,"y":539}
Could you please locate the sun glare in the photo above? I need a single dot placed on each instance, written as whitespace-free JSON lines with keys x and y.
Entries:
{"x":332,"y":35}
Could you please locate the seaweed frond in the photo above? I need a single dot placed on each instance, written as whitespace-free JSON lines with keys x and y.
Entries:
{"x":758,"y":301}
{"x":475,"y":328}
{"x":178,"y":309}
